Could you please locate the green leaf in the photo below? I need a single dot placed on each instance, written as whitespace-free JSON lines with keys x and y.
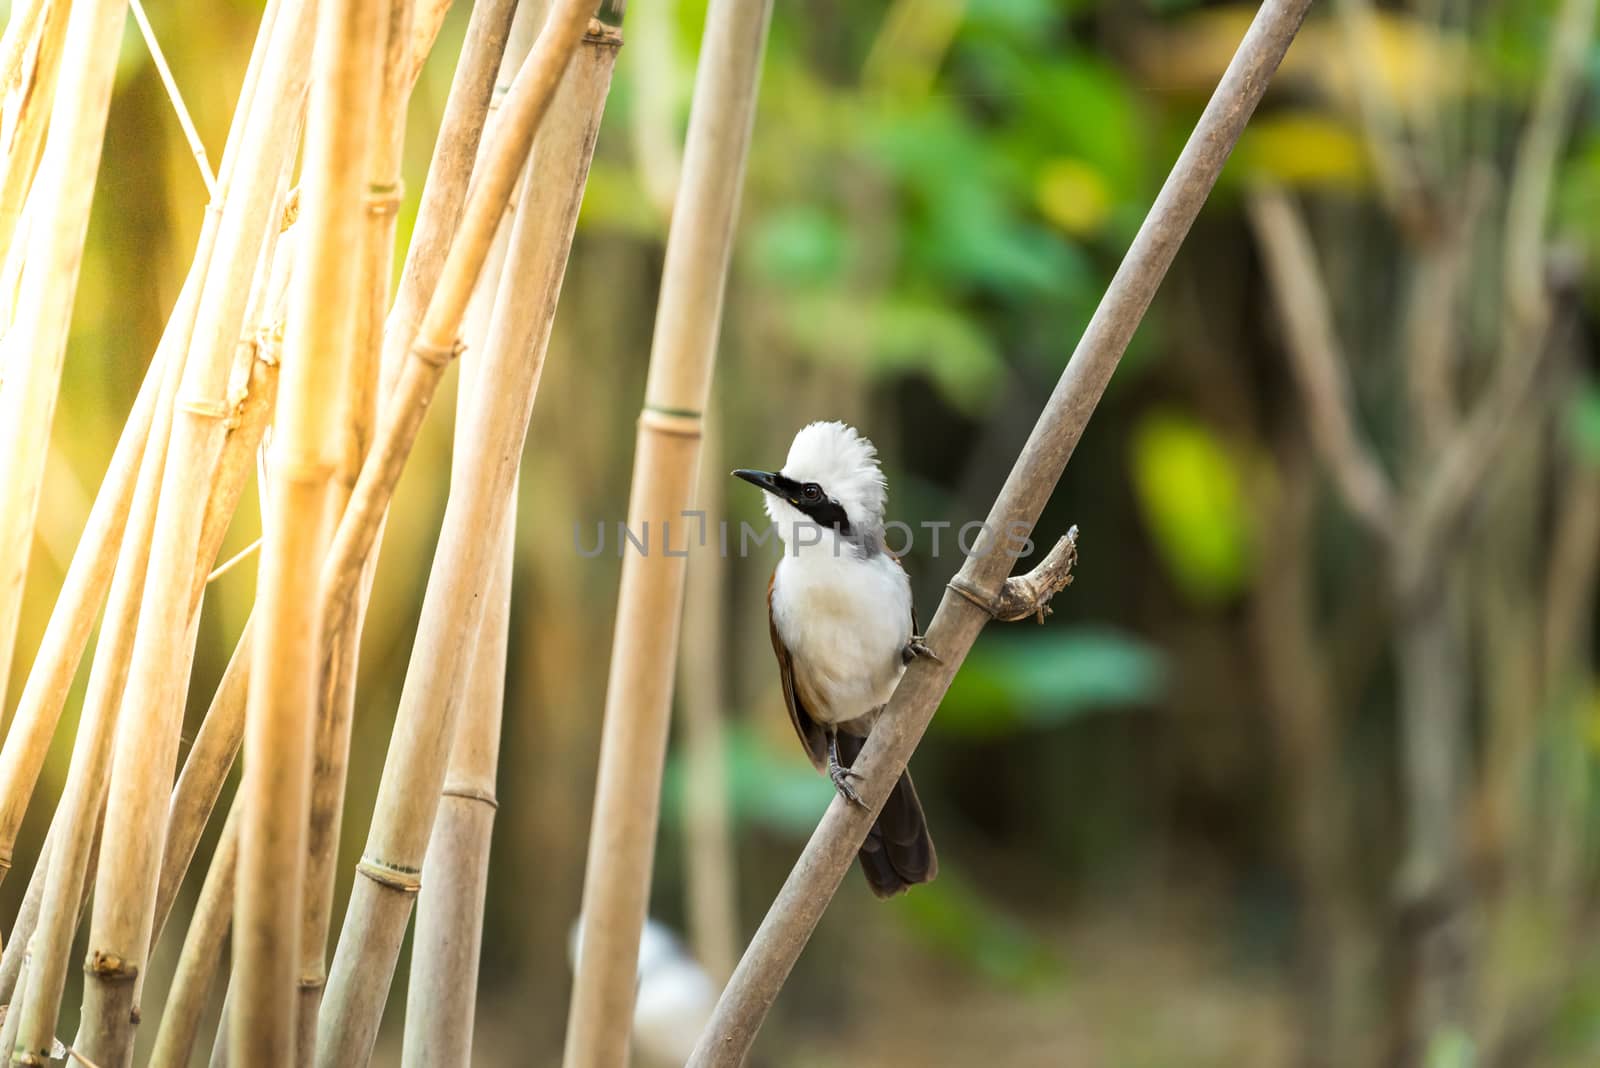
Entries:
{"x":766,"y":788}
{"x":1012,"y":683}
{"x":1191,"y":491}
{"x":801,"y":245}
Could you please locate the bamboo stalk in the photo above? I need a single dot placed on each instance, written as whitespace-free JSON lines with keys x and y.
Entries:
{"x":432,"y":345}
{"x":201,"y":957}
{"x":60,"y":222}
{"x":830,"y":852}
{"x":218,"y":741}
{"x":147,"y":734}
{"x":280,"y":715}
{"x":337,"y":682}
{"x":84,"y":793}
{"x":33,"y":117}
{"x":666,"y":460}
{"x":72,"y":619}
{"x":200,"y":783}
{"x":444,"y":957}
{"x":20,"y":28}
{"x":444,"y":191}
{"x":89,"y":576}
{"x":482,"y":476}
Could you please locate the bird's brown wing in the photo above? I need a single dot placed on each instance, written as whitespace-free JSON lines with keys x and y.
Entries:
{"x":810,"y":732}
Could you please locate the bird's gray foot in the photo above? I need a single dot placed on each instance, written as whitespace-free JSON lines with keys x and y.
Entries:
{"x":915,"y":648}
{"x":842,"y":775}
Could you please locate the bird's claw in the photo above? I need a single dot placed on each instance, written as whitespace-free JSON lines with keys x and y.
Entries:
{"x":841,"y":776}
{"x":917,"y":648}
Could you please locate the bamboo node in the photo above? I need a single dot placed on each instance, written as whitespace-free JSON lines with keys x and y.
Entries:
{"x":405,"y":880}
{"x":110,"y":967}
{"x":205,"y":408}
{"x":436,"y":355}
{"x":471,"y":793}
{"x":1030,"y":594}
{"x":600,"y":33}
{"x":676,"y":422}
{"x":269,"y":342}
{"x":384,"y":198}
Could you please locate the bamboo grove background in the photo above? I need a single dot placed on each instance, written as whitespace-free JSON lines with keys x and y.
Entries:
{"x":1301,"y":769}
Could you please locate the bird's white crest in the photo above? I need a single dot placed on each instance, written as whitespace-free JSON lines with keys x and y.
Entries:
{"x":836,"y":457}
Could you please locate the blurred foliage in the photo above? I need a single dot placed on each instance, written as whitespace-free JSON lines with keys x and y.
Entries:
{"x":1011,"y":682}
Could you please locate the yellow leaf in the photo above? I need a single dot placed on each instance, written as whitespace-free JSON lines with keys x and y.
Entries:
{"x":1074,"y":196}
{"x":1302,"y":148}
{"x":1191,"y":491}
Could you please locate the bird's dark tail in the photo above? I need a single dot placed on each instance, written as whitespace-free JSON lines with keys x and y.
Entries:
{"x":898,"y":853}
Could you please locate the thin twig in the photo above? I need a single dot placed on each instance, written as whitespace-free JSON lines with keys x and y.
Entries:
{"x":190,"y":134}
{"x":1319,"y":367}
{"x":832,"y":848}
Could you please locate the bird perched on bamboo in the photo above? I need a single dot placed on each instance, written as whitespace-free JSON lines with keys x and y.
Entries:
{"x":843,"y":629}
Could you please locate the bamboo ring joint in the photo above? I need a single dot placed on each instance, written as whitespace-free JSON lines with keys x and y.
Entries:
{"x":436,"y":355}
{"x":383,"y":198}
{"x":402,"y":879}
{"x":676,"y":422}
{"x":471,"y":793}
{"x":204,"y":408}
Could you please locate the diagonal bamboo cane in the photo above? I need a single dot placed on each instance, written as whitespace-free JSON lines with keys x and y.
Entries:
{"x":66,"y":182}
{"x":27,"y":139}
{"x":444,"y":958}
{"x":201,"y":956}
{"x":89,"y":577}
{"x":280,"y":715}
{"x":337,"y":680}
{"x":982,"y":582}
{"x":644,"y":649}
{"x":453,"y":607}
{"x":147,"y":734}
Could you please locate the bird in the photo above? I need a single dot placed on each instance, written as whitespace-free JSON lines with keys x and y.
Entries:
{"x":843,"y":629}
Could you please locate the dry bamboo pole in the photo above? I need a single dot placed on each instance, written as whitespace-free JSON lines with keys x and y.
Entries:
{"x":644,"y":647}
{"x":432,"y":345}
{"x":200,"y":783}
{"x":83,"y":797}
{"x":147,"y":734}
{"x":482,"y":477}
{"x":444,"y":957}
{"x":20,"y":28}
{"x":708,"y":840}
{"x":218,"y":741}
{"x":18,"y":981}
{"x":72,"y":619}
{"x":444,"y":191}
{"x":33,"y":117}
{"x":60,"y":221}
{"x":89,"y":576}
{"x":981,"y":589}
{"x":336,"y":683}
{"x":280,"y":715}
{"x":201,"y":956}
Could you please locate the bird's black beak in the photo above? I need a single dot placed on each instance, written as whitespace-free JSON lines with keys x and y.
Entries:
{"x":767,"y":480}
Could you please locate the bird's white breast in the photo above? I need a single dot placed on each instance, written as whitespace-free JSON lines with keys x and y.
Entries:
{"x":845,"y":621}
